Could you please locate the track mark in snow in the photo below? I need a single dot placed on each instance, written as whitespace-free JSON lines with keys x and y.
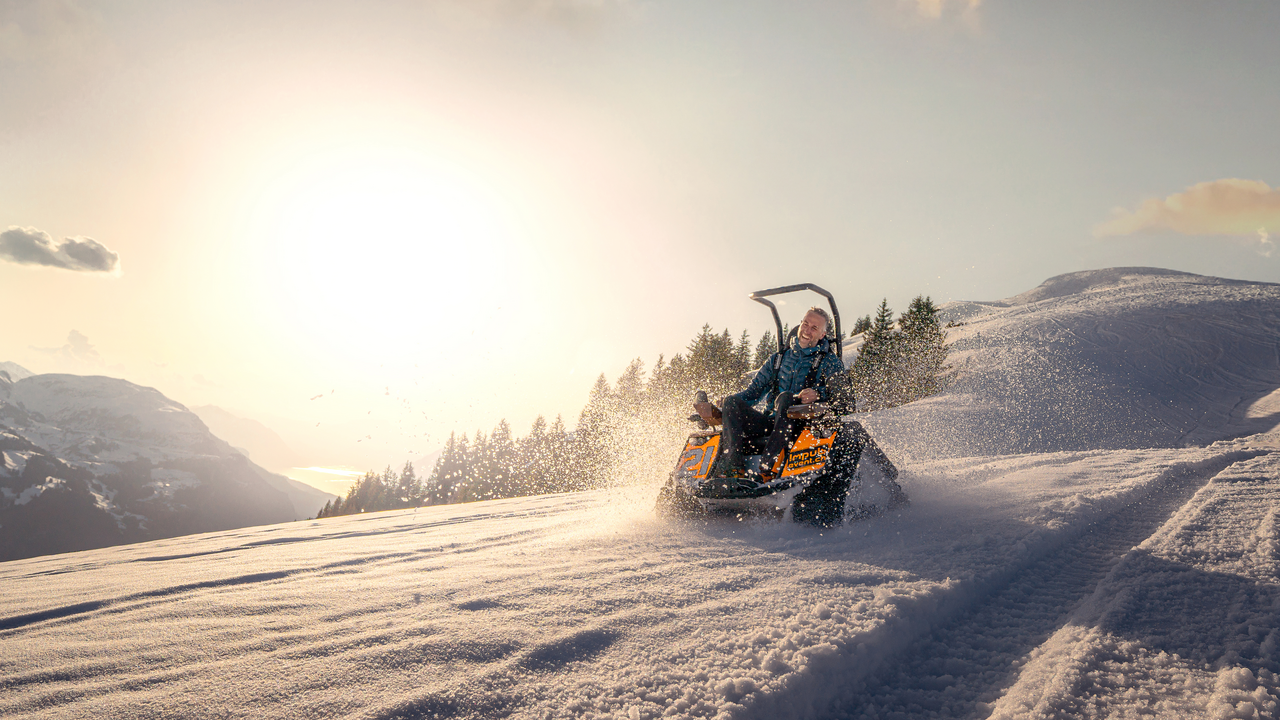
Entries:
{"x":17,"y":621}
{"x":480,"y":604}
{"x":556,"y":654}
{"x":183,"y":556}
{"x":411,"y":526}
{"x":80,"y":609}
{"x":1185,"y":625}
{"x":961,"y":669}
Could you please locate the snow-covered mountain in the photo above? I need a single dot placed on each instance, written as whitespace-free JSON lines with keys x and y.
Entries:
{"x":14,"y":371}
{"x":1049,"y":566}
{"x":94,"y":461}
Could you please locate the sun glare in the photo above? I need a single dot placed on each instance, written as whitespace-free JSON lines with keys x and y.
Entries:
{"x":371,"y":242}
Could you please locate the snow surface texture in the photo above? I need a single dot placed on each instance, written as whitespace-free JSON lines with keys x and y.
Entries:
{"x":1048,"y":583}
{"x":1119,"y":358}
{"x":585,"y":605}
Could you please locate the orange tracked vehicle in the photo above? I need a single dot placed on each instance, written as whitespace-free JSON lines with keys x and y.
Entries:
{"x":831,"y":470}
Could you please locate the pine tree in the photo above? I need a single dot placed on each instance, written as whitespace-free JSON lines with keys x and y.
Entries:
{"x":658,"y":391}
{"x":669,"y":383}
{"x":861,"y":325}
{"x":924,"y":349}
{"x":408,"y":489}
{"x":593,"y":439}
{"x":874,"y":371}
{"x":724,"y":365}
{"x":559,"y":457}
{"x":765,"y":349}
{"x":628,"y":391}
{"x":385,"y":496}
{"x":742,"y":356}
{"x":462,"y":479}
{"x":895,"y":364}
{"x":478,"y":470}
{"x":898,"y":365}
{"x":362,"y":494}
{"x":658,"y":368}
{"x":450,"y":473}
{"x":502,"y":458}
{"x":438,"y":484}
{"x":532,"y":461}
{"x":711,"y":365}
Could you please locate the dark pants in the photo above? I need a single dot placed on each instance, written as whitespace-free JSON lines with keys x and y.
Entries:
{"x":743,"y":423}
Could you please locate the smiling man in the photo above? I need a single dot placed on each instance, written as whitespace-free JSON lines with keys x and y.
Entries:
{"x":798,"y":374}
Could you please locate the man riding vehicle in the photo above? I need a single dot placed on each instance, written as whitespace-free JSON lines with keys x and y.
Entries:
{"x":807,"y":371}
{"x":802,"y":455}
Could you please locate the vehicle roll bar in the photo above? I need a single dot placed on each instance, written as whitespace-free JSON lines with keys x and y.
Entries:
{"x":760,"y":295}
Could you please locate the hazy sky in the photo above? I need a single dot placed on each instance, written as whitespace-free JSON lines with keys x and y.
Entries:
{"x":434,"y":215}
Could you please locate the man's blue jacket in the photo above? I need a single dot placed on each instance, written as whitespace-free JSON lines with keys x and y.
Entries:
{"x":791,"y":373}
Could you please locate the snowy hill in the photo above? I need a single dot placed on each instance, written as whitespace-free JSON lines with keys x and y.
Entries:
{"x":1118,"y":358}
{"x":125,"y":461}
{"x":1051,"y":580}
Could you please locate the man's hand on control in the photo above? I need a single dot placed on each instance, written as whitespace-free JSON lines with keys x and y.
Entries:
{"x":808,"y":395}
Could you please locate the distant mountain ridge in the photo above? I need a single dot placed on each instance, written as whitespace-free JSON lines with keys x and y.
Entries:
{"x":14,"y":371}
{"x":1109,"y":279}
{"x":262,"y":444}
{"x":90,"y":461}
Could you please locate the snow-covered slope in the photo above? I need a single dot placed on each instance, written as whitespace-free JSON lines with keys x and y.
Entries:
{"x":125,"y":461}
{"x":1058,"y":581}
{"x":998,"y":589}
{"x":1118,"y":358}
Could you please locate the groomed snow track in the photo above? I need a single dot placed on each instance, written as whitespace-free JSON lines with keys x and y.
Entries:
{"x":963,"y":667}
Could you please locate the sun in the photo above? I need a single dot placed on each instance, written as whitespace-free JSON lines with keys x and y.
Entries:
{"x":369,"y":241}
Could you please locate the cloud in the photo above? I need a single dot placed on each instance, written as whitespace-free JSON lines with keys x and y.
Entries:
{"x":935,"y":9}
{"x":77,"y":349}
{"x":29,"y":246}
{"x":1266,"y":246}
{"x":1230,"y":207}
{"x":202,"y":380}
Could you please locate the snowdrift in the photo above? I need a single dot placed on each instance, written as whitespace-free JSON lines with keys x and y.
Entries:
{"x":1118,"y":358}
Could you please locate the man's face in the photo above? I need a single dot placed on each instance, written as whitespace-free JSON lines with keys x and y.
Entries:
{"x":812,"y":328}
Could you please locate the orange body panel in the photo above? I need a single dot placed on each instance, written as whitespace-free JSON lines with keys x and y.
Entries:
{"x":807,"y":454}
{"x":698,"y":455}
